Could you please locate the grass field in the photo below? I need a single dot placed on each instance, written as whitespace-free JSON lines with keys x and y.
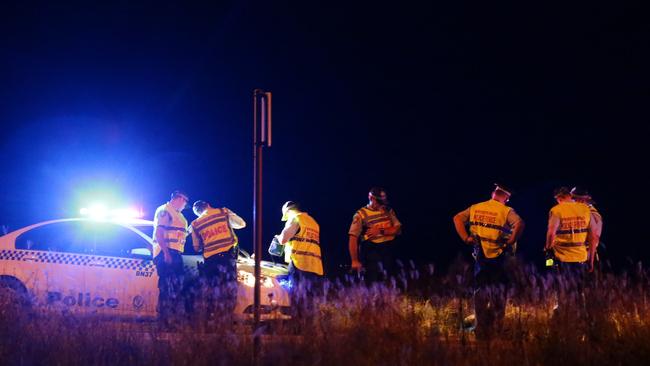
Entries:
{"x":415,"y":320}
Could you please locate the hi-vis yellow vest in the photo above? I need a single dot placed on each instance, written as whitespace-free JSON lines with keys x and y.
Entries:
{"x":305,"y":245}
{"x":213,"y":227}
{"x":487,"y":220}
{"x":176,"y":231}
{"x":371,"y":218}
{"x":571,"y":235}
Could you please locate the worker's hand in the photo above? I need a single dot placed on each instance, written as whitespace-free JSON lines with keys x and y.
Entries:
{"x":373,"y":232}
{"x":590,"y":269}
{"x":356,"y":265}
{"x":470,"y":240}
{"x":167,"y":257}
{"x":510,"y":242}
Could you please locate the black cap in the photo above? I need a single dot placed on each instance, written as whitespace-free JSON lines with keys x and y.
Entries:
{"x":561,"y":191}
{"x":500,"y":187}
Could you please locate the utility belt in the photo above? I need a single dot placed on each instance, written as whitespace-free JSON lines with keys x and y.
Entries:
{"x":479,"y":255}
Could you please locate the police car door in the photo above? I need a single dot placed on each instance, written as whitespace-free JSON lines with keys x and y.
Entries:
{"x":121,"y":277}
{"x":50,"y":263}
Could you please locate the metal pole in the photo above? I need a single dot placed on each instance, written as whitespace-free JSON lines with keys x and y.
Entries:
{"x":261,"y":137}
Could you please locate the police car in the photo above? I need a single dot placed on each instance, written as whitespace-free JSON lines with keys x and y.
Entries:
{"x":105,"y":267}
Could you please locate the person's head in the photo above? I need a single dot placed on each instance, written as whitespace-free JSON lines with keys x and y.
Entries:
{"x":288,"y":208}
{"x":501,"y":193}
{"x":562,"y":194}
{"x":581,"y":195}
{"x":179,"y":200}
{"x":378,"y":197}
{"x":199,"y":207}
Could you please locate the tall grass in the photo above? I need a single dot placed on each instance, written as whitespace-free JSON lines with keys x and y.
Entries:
{"x":413,"y":320}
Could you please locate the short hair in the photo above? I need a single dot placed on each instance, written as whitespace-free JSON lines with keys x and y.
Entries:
{"x":561,"y":192}
{"x":377,"y":191}
{"x":181,"y":194}
{"x":199,"y":206}
{"x":580,"y":193}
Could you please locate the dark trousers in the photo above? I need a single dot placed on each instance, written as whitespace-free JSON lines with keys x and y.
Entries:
{"x":490,"y":294}
{"x":569,"y":284}
{"x":304,"y":286}
{"x":219,"y":274}
{"x":170,"y":284}
{"x":378,"y":260}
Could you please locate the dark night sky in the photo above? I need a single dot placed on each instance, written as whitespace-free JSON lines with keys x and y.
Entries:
{"x":433,"y":100}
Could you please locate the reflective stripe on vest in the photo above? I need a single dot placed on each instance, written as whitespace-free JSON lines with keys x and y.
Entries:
{"x":371,"y":218}
{"x":305,"y":245}
{"x":571,"y":235}
{"x":488,"y":220}
{"x":215,"y":232}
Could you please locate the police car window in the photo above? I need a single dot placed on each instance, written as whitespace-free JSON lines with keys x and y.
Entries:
{"x":85,"y":237}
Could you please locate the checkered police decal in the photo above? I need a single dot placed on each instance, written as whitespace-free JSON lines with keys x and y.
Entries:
{"x":77,"y":259}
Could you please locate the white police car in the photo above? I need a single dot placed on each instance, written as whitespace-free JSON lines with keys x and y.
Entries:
{"x":105,"y":267}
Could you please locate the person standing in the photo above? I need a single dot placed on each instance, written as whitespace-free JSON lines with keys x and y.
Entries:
{"x":571,"y":233}
{"x":371,"y":237}
{"x":170,"y":231}
{"x":494,"y":228}
{"x":581,"y":195}
{"x":301,"y":238}
{"x":213,"y":235}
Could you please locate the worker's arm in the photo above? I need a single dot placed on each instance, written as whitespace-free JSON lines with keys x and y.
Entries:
{"x":553,"y":224}
{"x":593,"y":238}
{"x":289,"y":231}
{"x":197,"y":243}
{"x":353,"y":242}
{"x":162,"y":220}
{"x":235,"y":221}
{"x":517,"y":224}
{"x":460,"y":220}
{"x":353,"y":246}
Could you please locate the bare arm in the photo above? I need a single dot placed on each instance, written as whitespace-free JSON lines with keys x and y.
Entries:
{"x":517,"y":230}
{"x":289,"y":231}
{"x":353,"y":246}
{"x":553,"y":224}
{"x":235,"y":221}
{"x":593,"y":238}
{"x":162,"y":219}
{"x":197,"y":243}
{"x":459,"y":224}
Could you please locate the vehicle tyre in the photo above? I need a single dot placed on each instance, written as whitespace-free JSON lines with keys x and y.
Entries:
{"x":13,"y":298}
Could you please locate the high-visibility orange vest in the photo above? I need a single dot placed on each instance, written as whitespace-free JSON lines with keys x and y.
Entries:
{"x":176,"y":231}
{"x":571,"y":235}
{"x":375,"y":218}
{"x":487,"y":220}
{"x":213,"y":227}
{"x":305,"y":245}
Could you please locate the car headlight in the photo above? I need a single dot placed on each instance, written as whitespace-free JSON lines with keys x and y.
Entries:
{"x":248,"y":279}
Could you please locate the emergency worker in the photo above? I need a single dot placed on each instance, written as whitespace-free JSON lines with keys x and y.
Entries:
{"x":371,"y":237}
{"x":582,"y":196}
{"x":170,"y":231}
{"x":301,"y":239}
{"x":493,"y":231}
{"x":213,"y":235}
{"x":571,"y":233}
